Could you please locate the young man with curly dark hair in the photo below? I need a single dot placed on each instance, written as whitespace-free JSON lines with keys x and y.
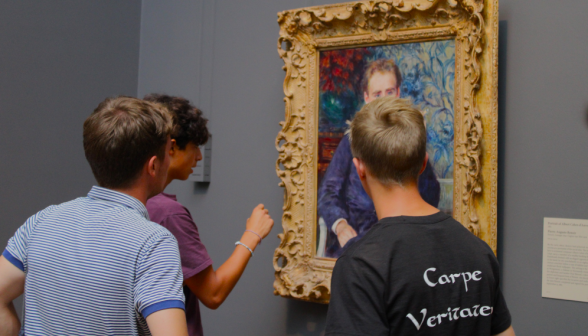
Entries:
{"x":201,"y":281}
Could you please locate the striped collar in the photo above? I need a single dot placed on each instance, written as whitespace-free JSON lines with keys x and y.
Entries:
{"x":110,"y":195}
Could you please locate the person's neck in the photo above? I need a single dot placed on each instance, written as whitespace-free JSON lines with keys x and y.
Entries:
{"x":138,"y":191}
{"x":393,"y":201}
{"x":169,"y":180}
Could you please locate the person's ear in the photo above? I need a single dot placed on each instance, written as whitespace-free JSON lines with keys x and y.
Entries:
{"x":398,"y":92}
{"x":153,"y":166}
{"x":174,"y":147}
{"x":366,"y":97}
{"x":360,"y":167}
{"x":424,"y":163}
{"x":362,"y":173}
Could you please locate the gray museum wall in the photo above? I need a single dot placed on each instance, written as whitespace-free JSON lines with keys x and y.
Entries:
{"x":58,"y":60}
{"x":222,"y":55}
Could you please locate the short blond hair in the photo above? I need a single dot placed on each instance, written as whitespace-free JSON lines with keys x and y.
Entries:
{"x":389,"y":136}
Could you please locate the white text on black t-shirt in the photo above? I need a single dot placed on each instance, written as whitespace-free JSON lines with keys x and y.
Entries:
{"x":451,"y":278}
{"x":452,"y":314}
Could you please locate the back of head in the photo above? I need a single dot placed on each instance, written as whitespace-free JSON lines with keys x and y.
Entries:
{"x":389,"y":136}
{"x":188,"y":123}
{"x":121,"y":135}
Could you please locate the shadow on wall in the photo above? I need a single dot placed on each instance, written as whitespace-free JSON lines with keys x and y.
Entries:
{"x":314,"y":314}
{"x":201,"y":188}
{"x":586,"y":119}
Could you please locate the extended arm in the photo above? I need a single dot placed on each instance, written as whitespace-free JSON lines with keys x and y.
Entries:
{"x":212,"y":287}
{"x":12,"y":281}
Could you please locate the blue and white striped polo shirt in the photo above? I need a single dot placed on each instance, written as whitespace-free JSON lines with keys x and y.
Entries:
{"x":95,"y":266}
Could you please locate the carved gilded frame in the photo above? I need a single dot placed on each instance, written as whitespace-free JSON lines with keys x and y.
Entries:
{"x":303,"y":33}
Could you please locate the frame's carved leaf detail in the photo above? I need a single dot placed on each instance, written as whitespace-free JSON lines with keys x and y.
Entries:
{"x":304,"y":32}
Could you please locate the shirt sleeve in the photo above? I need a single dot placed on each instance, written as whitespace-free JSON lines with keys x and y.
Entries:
{"x":17,"y":248}
{"x":357,"y":300}
{"x":501,"y":318}
{"x":158,"y":283}
{"x":334,"y":227}
{"x":193,"y":253}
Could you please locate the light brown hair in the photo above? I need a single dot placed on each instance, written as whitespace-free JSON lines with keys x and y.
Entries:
{"x":389,"y":136}
{"x":121,"y":135}
{"x":381,"y":65}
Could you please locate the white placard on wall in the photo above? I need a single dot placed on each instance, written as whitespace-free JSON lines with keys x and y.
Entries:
{"x":565,"y":259}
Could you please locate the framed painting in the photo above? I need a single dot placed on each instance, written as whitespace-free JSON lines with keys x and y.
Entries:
{"x":440,"y":54}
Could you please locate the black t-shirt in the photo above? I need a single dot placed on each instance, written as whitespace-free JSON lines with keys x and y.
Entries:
{"x":417,"y":276}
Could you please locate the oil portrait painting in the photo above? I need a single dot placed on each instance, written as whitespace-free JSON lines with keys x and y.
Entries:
{"x":442,"y":55}
{"x":349,"y":78}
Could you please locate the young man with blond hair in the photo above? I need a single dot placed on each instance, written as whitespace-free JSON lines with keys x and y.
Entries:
{"x":96,"y":265}
{"x":417,"y":271}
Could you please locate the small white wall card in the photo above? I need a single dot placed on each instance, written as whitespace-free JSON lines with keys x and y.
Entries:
{"x":565,"y":259}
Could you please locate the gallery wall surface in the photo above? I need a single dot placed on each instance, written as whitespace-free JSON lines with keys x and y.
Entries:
{"x":58,"y":60}
{"x":222,"y":55}
{"x":544,"y":150}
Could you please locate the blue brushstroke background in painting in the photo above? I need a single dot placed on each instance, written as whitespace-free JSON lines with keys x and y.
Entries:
{"x":427,"y":70}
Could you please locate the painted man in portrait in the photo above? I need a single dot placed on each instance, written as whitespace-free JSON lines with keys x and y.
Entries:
{"x":343,"y":204}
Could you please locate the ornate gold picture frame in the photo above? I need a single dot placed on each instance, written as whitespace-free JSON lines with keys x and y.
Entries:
{"x":463,"y":32}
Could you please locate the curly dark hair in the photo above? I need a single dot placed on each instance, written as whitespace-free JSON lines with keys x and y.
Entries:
{"x":189,"y":124}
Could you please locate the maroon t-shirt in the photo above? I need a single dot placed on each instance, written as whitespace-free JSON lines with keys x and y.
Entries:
{"x":165,"y":210}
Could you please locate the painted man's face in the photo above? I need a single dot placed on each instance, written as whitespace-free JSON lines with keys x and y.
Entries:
{"x":381,"y":84}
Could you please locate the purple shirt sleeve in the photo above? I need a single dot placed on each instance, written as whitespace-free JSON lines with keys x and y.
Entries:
{"x":193,"y":254}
